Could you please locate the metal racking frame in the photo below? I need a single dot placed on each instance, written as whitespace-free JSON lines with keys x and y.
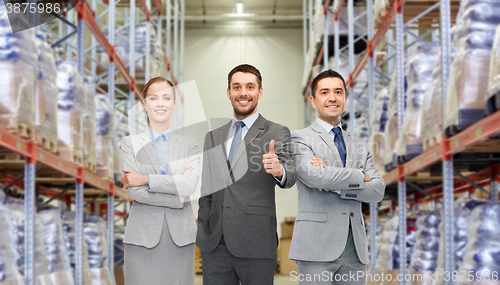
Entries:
{"x":442,"y":153}
{"x":105,"y":83}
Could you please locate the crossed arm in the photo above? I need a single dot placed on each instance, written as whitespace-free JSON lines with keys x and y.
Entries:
{"x":134,"y":182}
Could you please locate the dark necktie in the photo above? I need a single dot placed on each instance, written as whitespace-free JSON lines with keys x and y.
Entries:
{"x":236,"y":142}
{"x":340,"y":144}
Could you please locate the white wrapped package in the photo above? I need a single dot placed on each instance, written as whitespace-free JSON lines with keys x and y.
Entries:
{"x":378,"y":122}
{"x":46,"y":92}
{"x":121,"y":131}
{"x":493,"y":93}
{"x":95,"y":234}
{"x":482,"y":253}
{"x":425,"y":255}
{"x":468,"y":81}
{"x":391,"y":127}
{"x":9,"y":271}
{"x":462,"y":213}
{"x":420,"y":63}
{"x":53,"y":239}
{"x":69,"y":224}
{"x":41,"y":263}
{"x":71,"y":104}
{"x":362,"y":127}
{"x":89,"y":125}
{"x":104,"y":136}
{"x":159,"y":67}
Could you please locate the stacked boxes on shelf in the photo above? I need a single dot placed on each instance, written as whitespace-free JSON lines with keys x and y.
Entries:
{"x":286,"y":265}
{"x":89,"y":127}
{"x":105,"y":138}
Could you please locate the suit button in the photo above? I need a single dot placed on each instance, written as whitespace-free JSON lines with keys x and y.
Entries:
{"x":352,"y":214}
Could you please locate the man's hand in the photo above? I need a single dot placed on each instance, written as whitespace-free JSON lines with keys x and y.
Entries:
{"x":367,"y":178}
{"x":271,"y":162}
{"x":188,"y":169}
{"x":318,"y":162}
{"x":132,"y":178}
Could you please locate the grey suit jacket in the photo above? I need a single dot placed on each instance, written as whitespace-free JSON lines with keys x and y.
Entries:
{"x":322,"y":223}
{"x":165,"y":198}
{"x":240,"y":203}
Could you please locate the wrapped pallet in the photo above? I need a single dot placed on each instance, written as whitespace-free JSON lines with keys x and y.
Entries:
{"x":482,"y":252}
{"x":388,"y":251}
{"x":55,"y":248}
{"x":94,"y":231}
{"x":104,"y":137}
{"x":493,"y":93}
{"x":71,"y":104}
{"x":121,"y":131}
{"x":122,"y":49}
{"x":425,"y":254}
{"x":69,"y":224}
{"x":391,"y":127}
{"x":89,"y":127}
{"x":378,"y":121}
{"x":468,"y":81}
{"x":362,"y":127}
{"x":9,"y":271}
{"x":420,"y":63}
{"x":19,"y":70}
{"x":46,"y":95}
{"x":462,"y":213}
{"x":159,"y":66}
{"x":41,"y":263}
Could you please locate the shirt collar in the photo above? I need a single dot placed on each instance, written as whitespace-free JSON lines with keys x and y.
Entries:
{"x":249,"y":121}
{"x":153,"y":135}
{"x":327,"y":126}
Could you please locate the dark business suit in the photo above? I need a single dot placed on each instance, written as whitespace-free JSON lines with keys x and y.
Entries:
{"x":237,"y":208}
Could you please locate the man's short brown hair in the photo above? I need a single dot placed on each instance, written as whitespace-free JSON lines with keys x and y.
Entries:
{"x":323,"y":75}
{"x":245,"y":68}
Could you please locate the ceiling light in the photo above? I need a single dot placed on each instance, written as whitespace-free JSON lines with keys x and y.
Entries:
{"x":239,"y":7}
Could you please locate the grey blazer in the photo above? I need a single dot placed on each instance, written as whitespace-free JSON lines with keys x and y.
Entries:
{"x":240,"y":203}
{"x":165,"y":198}
{"x":322,"y":223}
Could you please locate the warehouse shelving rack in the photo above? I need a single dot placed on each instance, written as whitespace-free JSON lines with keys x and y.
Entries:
{"x":69,"y":31}
{"x":474,"y":139}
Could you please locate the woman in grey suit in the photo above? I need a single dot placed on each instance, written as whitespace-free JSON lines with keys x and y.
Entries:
{"x":162,"y":170}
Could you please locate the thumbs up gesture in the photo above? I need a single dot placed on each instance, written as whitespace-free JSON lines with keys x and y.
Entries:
{"x":271,"y":162}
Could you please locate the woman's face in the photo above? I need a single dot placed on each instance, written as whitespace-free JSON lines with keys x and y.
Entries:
{"x":159,"y":102}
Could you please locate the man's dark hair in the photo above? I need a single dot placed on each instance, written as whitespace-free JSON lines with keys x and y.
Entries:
{"x":246,"y":68}
{"x":322,"y":75}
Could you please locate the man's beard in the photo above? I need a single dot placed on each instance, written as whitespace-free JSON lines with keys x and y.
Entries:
{"x":243,"y":113}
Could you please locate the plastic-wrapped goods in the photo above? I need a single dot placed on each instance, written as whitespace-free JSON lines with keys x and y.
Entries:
{"x":105,"y":136}
{"x":41,"y":263}
{"x":420,"y":63}
{"x":9,"y":272}
{"x":462,"y":213}
{"x":493,"y":93}
{"x":46,"y":93}
{"x":72,"y":104}
{"x":55,"y":248}
{"x":69,"y":224}
{"x":89,"y":126}
{"x":482,"y":252}
{"x":391,"y":127}
{"x":362,"y":127}
{"x":425,"y":255}
{"x":121,"y":131}
{"x":159,"y":67}
{"x":122,"y":48}
{"x":18,"y":70}
{"x":378,"y":6}
{"x":378,"y":120}
{"x":468,"y":81}
{"x":94,"y":231}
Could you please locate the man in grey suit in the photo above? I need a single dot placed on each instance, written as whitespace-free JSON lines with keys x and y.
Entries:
{"x":243,"y":161}
{"x":335,"y":175}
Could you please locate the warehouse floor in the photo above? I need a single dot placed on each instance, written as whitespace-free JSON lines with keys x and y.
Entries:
{"x":278,"y":280}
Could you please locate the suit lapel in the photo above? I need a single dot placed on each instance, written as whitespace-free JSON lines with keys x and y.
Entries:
{"x":221,"y":138}
{"x":148,"y":149}
{"x":327,"y":139}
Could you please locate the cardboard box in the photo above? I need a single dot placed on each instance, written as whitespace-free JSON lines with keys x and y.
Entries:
{"x":286,"y":265}
{"x":119,"y":275}
{"x":287,"y":227}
